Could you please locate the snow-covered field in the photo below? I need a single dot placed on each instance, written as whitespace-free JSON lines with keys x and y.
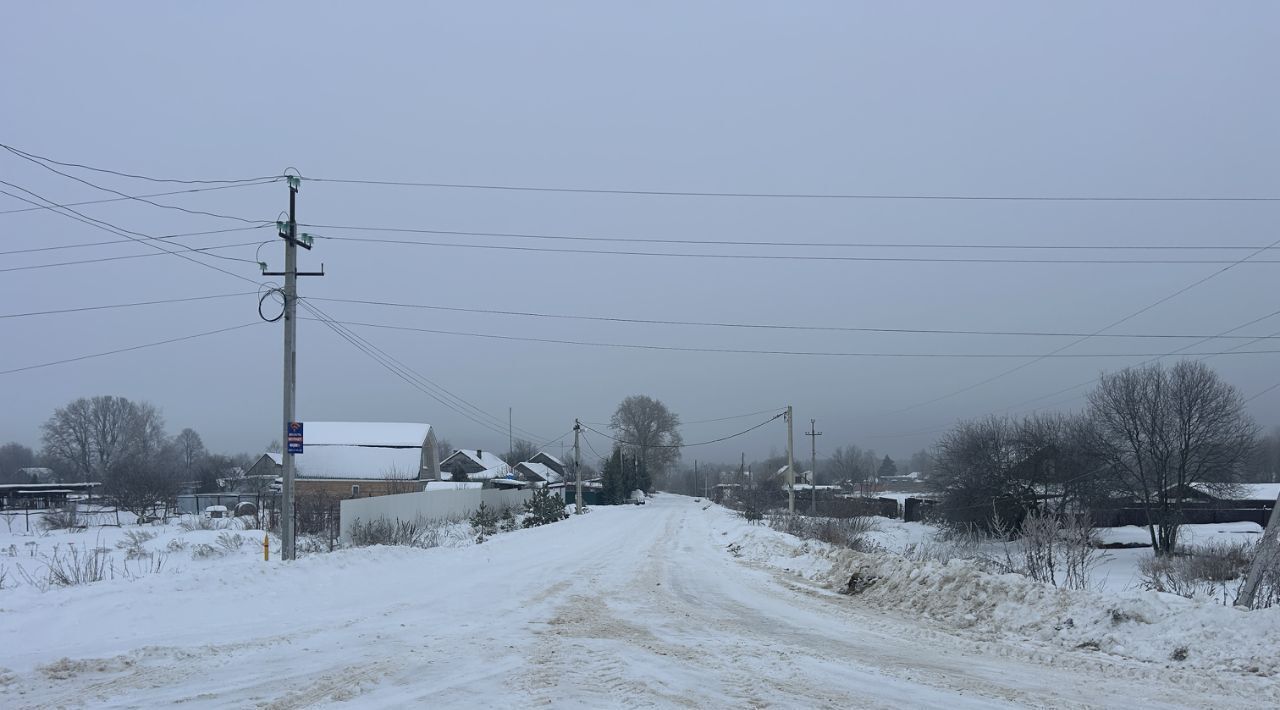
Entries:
{"x":672,"y":604}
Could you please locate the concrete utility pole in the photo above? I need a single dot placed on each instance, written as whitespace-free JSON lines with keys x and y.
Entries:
{"x":511,"y":442}
{"x":695,"y":477}
{"x":289,"y":233}
{"x":577,"y":468}
{"x":791,"y":467}
{"x":1262,"y":559}
{"x":813,"y":435}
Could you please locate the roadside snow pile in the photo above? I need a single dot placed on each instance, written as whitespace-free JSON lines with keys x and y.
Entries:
{"x":1148,"y":626}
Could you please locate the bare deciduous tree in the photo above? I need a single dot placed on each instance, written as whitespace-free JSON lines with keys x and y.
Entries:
{"x":190,"y":449}
{"x":89,"y":435}
{"x":14,"y":456}
{"x":1161,"y":431}
{"x":520,"y":452}
{"x":650,"y":431}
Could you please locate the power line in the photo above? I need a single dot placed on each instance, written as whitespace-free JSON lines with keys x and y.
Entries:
{"x":148,"y":178}
{"x":134,"y":304}
{"x":765,"y":326}
{"x":839,"y":245}
{"x":125,"y":241}
{"x":133,"y":197}
{"x":1157,"y":358}
{"x":675,"y":348}
{"x":96,"y":186}
{"x":99,"y":260}
{"x":1073,"y":343}
{"x":778,"y":257}
{"x":125,"y":350}
{"x":685,"y":446}
{"x":144,"y":239}
{"x":794,"y":195}
{"x":708,"y":421}
{"x":420,"y":382}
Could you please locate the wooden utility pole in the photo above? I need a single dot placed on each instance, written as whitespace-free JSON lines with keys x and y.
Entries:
{"x":577,"y":468}
{"x":813,"y":435}
{"x":1263,"y":557}
{"x":791,"y":466}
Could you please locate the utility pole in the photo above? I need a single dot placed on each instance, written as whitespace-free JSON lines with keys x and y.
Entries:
{"x":791,"y":467}
{"x":511,"y":442}
{"x":1262,"y":558}
{"x":289,"y":233}
{"x":813,"y":435}
{"x":577,"y":468}
{"x":695,"y":477}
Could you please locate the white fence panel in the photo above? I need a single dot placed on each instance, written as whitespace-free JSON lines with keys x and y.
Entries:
{"x":428,"y":505}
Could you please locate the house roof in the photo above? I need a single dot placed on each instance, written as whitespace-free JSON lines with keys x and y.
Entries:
{"x":1259,"y":491}
{"x":549,"y":456}
{"x":485,"y":459}
{"x":540,"y":470}
{"x":365,"y":433}
{"x":277,"y":458}
{"x":365,"y":462}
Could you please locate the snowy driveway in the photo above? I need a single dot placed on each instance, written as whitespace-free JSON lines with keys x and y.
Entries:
{"x":627,"y":606}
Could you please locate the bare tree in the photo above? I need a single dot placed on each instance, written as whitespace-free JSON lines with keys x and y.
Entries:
{"x":190,"y":450}
{"x":520,"y":452}
{"x":14,"y":456}
{"x":975,"y":472}
{"x":141,"y":483}
{"x":1161,"y":431}
{"x":88,"y":436}
{"x":846,"y":464}
{"x":650,"y":431}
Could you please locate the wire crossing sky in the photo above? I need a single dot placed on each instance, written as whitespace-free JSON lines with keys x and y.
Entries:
{"x":549,"y":209}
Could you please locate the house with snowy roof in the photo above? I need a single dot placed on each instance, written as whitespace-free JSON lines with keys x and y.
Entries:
{"x":550,"y":462}
{"x":357,"y":459}
{"x":475,"y":465}
{"x":537,"y":473}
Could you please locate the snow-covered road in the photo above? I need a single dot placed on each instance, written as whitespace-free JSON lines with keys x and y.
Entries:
{"x":626,"y":606}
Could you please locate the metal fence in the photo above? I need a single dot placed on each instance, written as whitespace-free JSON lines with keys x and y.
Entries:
{"x":427,"y":505}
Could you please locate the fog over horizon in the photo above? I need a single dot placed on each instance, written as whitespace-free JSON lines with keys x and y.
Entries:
{"x":829,"y":131}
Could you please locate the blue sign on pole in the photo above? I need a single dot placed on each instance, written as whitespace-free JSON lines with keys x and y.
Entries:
{"x":294,"y":436}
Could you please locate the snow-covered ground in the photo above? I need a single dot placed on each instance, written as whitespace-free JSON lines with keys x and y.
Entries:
{"x":672,"y":604}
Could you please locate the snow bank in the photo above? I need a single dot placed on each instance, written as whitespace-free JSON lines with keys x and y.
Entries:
{"x":1147,"y":626}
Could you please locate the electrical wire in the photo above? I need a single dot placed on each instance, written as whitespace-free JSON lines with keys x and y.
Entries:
{"x":153,"y":194}
{"x":793,"y":195}
{"x":145,"y":239}
{"x":764,"y":326}
{"x":812,"y":353}
{"x":134,"y":304}
{"x":827,"y":245}
{"x":125,"y":241}
{"x":202,"y":250}
{"x":143,"y":200}
{"x":781,"y":257}
{"x":685,"y":446}
{"x":125,"y":350}
{"x":29,"y":155}
{"x":1073,"y":343}
{"x":409,"y":375}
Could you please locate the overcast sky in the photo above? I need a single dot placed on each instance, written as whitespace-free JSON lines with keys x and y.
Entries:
{"x":982,"y":99}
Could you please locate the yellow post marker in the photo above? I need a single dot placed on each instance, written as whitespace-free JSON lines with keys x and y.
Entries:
{"x":266,"y":547}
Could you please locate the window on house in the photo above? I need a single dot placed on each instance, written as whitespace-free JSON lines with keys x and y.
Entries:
{"x":355,"y":491}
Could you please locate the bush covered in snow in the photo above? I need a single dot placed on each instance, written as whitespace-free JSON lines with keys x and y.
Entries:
{"x":382,"y":531}
{"x":844,"y":532}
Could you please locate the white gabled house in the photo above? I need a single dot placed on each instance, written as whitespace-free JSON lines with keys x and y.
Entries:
{"x":477,"y":464}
